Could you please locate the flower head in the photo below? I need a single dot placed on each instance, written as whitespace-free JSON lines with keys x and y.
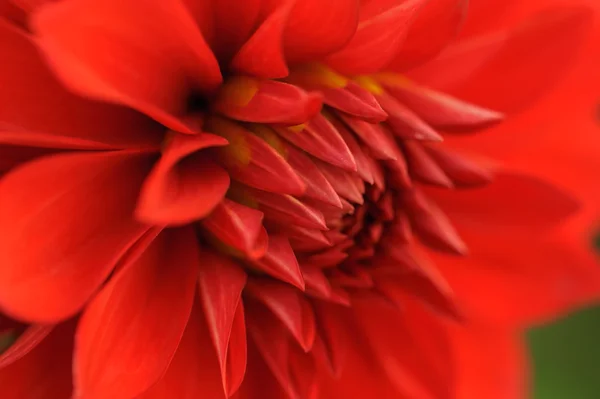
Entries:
{"x":272,"y":199}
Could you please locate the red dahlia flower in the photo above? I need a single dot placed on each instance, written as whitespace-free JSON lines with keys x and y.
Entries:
{"x":279,"y":198}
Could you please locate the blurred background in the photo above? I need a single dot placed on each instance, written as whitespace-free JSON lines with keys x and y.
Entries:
{"x":566,"y":355}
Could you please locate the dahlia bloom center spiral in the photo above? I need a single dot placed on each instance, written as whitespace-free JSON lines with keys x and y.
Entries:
{"x":322,"y":169}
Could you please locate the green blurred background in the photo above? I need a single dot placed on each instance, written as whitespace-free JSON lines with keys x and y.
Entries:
{"x":566,"y":356}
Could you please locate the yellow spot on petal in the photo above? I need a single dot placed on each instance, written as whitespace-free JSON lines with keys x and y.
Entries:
{"x":369,"y":84}
{"x":393,"y":79}
{"x":320,"y":75}
{"x":238,"y":152}
{"x":239,"y":90}
{"x":297,"y":128}
{"x":270,"y":137}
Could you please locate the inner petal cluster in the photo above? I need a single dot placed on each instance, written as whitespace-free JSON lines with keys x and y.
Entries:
{"x":319,"y":175}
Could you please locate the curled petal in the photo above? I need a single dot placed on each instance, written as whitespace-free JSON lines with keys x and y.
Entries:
{"x":184,"y":185}
{"x":238,"y":226}
{"x":266,"y":101}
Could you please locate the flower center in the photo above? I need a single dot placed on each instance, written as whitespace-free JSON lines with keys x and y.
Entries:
{"x":326,"y":175}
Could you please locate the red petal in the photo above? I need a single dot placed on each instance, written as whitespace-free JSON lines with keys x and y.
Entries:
{"x":344,"y":183}
{"x":320,"y":139}
{"x":262,"y":55}
{"x":238,"y":226}
{"x":356,"y":101}
{"x":27,"y":341}
{"x":60,"y":213}
{"x":259,"y":382}
{"x":266,"y":101}
{"x":435,"y":25}
{"x":436,"y":108}
{"x":112,"y":50}
{"x":185,"y":185}
{"x":403,"y":122}
{"x":123,"y":344}
{"x":43,"y":373}
{"x":303,"y":239}
{"x":421,"y":369}
{"x":287,"y":209}
{"x":507,"y":283}
{"x":374,"y":136}
{"x":316,"y":282}
{"x":410,"y":272}
{"x":506,"y":376}
{"x":333,"y":334}
{"x":317,"y":186}
{"x":293,"y":369}
{"x":363,"y":165}
{"x":31,"y":5}
{"x":13,"y":13}
{"x":461,"y":170}
{"x":227,"y":24}
{"x":194,"y":371}
{"x":315,"y":30}
{"x":33,"y":100}
{"x":220,"y":285}
{"x":280,"y":262}
{"x":512,"y":202}
{"x":289,"y":306}
{"x":382,"y":28}
{"x":508,"y":70}
{"x":423,"y":167}
{"x":338,"y":91}
{"x":254,"y":161}
{"x":432,"y":225}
